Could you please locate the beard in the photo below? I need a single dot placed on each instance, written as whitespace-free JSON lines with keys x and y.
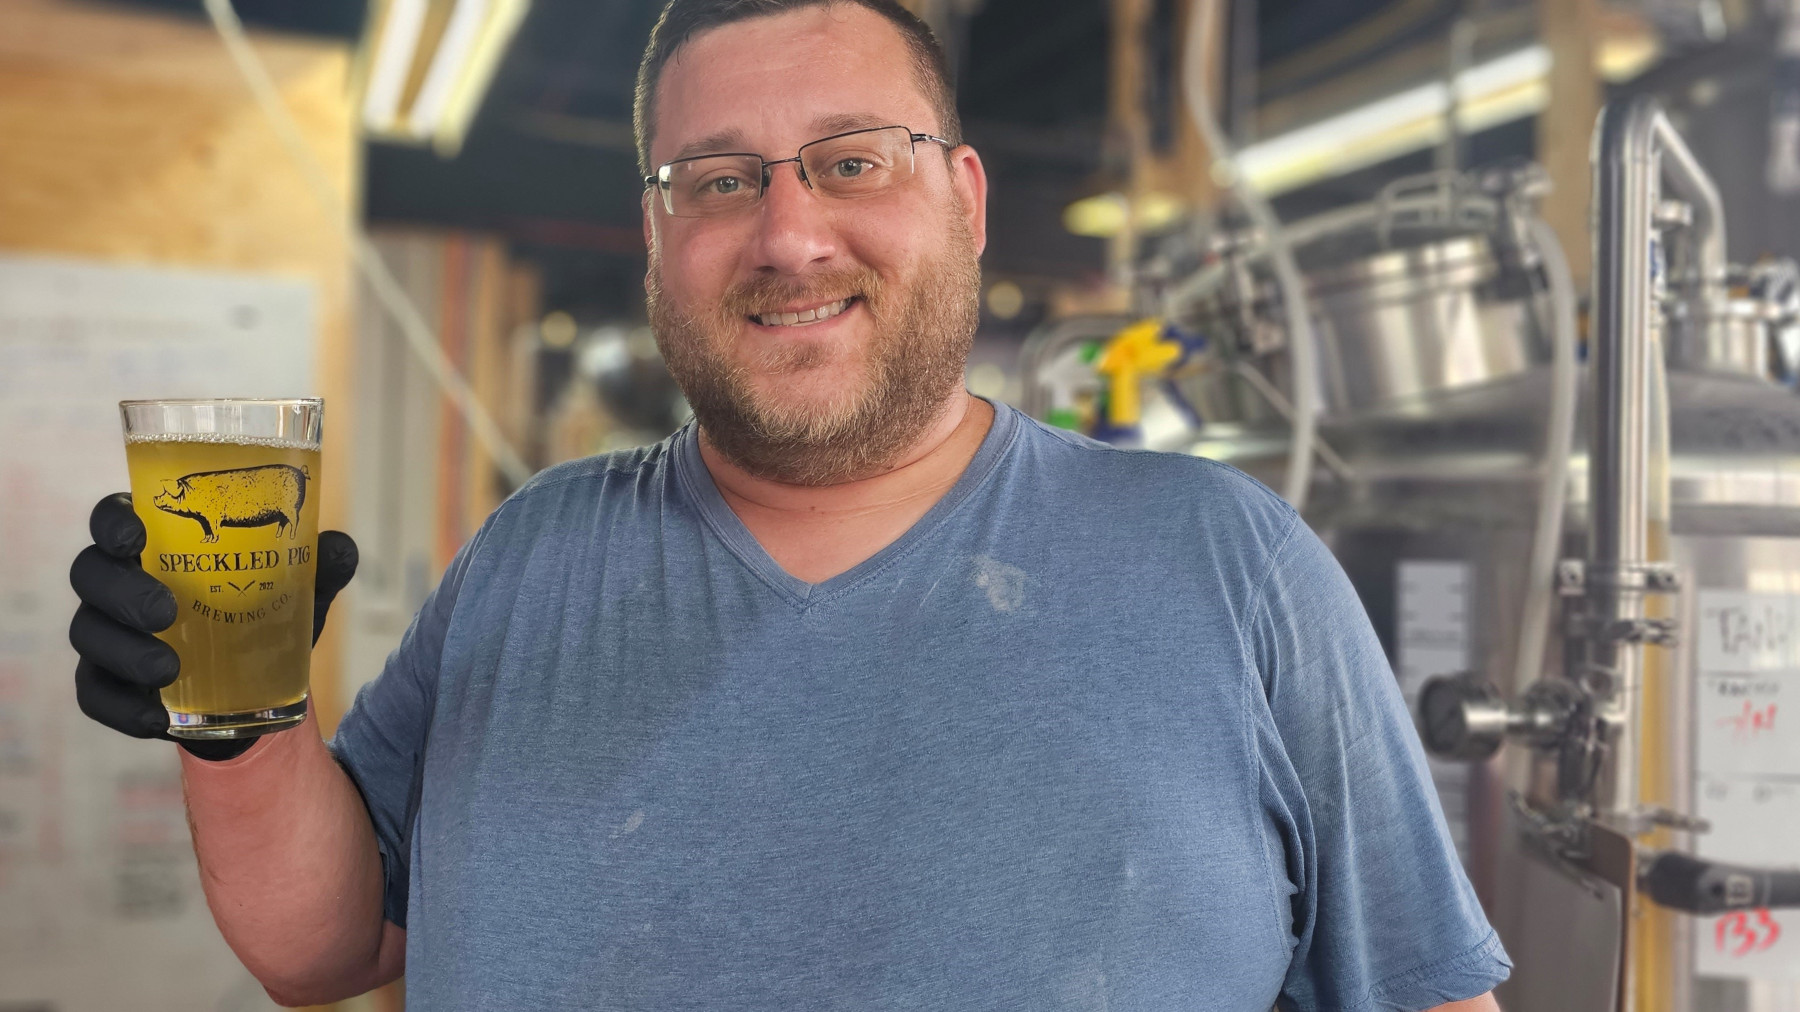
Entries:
{"x":917,"y":349}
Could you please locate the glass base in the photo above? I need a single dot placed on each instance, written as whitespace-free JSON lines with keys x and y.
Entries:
{"x":248,"y":724}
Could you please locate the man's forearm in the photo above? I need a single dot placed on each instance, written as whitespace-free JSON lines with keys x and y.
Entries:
{"x":289,"y":864}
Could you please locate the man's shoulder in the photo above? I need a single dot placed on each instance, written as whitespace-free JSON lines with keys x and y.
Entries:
{"x":600,"y":467}
{"x":1135,"y":483}
{"x":588,"y":484}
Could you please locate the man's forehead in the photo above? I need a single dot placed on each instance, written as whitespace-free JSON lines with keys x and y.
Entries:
{"x":786,"y":79}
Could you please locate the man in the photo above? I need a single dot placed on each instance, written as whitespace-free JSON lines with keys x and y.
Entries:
{"x":862,"y":692}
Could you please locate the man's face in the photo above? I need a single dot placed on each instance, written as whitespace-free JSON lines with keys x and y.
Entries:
{"x":838,"y":398}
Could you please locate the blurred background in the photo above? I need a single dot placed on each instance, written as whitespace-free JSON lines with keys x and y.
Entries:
{"x":1355,"y":247}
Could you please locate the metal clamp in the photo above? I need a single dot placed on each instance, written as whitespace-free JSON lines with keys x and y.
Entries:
{"x":1671,"y":213}
{"x":1573,"y":578}
{"x":1660,"y":632}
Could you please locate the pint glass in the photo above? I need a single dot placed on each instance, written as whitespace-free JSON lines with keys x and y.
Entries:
{"x":228,"y":493}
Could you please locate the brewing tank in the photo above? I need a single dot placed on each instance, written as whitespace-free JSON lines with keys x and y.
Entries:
{"x":1436,"y":539}
{"x":1437,"y":318}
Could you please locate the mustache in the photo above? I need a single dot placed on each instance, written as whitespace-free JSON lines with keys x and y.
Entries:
{"x":758,"y":294}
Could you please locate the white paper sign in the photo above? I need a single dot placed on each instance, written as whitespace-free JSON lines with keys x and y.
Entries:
{"x":1747,"y":768}
{"x":100,"y":905}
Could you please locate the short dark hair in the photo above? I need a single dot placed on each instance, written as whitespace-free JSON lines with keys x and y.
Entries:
{"x":681,"y":20}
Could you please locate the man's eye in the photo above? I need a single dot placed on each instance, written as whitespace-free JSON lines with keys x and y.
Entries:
{"x":725,"y":185}
{"x":850,"y":168}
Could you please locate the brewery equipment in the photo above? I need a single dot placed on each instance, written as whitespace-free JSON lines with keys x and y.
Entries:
{"x":1622,"y":603}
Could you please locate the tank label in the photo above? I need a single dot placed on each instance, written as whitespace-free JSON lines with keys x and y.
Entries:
{"x":1747,"y":769}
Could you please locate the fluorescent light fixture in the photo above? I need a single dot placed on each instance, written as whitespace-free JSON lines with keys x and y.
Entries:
{"x":432,"y":60}
{"x":1499,"y":91}
{"x":397,"y":35}
{"x":1106,"y":214}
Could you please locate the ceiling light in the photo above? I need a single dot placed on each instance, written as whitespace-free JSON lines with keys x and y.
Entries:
{"x":1105,"y":215}
{"x":430,"y":62}
{"x":1502,"y":90}
{"x":1488,"y":94}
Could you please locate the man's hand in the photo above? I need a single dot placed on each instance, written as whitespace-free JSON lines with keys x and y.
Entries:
{"x":123,"y":665}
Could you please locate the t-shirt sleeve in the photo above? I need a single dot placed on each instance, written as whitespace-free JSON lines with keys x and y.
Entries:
{"x":1384,"y":917}
{"x":380,"y":742}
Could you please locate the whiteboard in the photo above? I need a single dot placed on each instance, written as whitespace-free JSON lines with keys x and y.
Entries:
{"x":1747,"y":770}
{"x":100,"y":903}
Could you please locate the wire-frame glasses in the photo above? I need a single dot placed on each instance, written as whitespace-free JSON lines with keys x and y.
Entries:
{"x":849,"y":165}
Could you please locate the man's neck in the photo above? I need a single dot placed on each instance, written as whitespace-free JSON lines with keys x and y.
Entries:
{"x":817,"y":532}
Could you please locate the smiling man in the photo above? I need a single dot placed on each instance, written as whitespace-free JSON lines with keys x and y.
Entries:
{"x":859,"y":692}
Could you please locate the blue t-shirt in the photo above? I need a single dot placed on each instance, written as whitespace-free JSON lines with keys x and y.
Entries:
{"x":1104,"y":730}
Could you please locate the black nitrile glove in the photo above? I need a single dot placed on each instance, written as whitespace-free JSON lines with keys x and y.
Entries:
{"x":122,"y":665}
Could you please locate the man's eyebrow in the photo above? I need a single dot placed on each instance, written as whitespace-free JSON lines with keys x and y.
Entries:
{"x":842,"y":122}
{"x":730,"y":140}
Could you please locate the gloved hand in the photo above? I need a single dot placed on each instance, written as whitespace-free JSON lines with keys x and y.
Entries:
{"x":122,"y":665}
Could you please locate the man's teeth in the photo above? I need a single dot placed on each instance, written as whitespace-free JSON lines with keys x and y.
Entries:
{"x":808,"y":316}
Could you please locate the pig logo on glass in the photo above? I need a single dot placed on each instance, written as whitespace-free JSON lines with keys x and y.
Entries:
{"x":241,"y":497}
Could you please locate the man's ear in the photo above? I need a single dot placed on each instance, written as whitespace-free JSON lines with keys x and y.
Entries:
{"x":970,"y":179}
{"x":649,"y":236}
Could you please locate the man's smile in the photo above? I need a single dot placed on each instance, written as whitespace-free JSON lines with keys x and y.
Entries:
{"x":804,"y":316}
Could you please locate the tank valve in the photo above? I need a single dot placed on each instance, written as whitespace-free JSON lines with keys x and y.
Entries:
{"x":1464,"y":717}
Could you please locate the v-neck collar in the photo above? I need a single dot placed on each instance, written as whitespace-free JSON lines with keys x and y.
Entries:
{"x":698,"y":482}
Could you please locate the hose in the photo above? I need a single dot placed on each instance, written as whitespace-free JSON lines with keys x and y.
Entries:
{"x":1546,"y":546}
{"x":381,"y":280}
{"x":1302,"y":343}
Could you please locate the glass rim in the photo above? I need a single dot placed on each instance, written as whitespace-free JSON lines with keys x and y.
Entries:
{"x":224,"y":400}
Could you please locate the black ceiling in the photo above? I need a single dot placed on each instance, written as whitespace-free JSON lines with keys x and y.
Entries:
{"x":548,"y":162}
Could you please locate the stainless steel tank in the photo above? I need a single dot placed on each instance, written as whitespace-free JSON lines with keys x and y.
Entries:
{"x":1455,"y":493}
{"x":1440,"y":388}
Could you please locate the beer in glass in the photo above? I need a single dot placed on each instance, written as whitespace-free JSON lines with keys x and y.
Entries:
{"x":229,"y":496}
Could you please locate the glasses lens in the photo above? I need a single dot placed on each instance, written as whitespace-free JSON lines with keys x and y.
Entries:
{"x":703,"y":187}
{"x":861,"y":163}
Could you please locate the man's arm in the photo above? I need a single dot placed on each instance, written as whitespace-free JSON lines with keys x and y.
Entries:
{"x":1385,"y":909}
{"x":291,"y":870}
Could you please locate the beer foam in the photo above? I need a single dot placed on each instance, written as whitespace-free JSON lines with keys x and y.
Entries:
{"x":221,"y":439}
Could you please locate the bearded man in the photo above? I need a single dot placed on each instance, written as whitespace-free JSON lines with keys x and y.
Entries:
{"x":859,"y":691}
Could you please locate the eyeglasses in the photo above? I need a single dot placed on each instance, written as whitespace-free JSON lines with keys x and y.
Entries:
{"x":859,"y":163}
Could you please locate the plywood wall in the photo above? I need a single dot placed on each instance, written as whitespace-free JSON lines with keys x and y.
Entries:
{"x":128,"y":136}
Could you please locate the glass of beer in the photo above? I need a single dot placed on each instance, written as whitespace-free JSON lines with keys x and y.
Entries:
{"x":228,"y":493}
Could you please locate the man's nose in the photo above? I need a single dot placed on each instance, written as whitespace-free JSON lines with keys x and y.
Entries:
{"x":794,"y":228}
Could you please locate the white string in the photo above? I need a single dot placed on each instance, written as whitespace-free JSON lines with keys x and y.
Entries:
{"x":374,"y":269}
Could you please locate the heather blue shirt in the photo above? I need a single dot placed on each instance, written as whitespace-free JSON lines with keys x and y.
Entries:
{"x":1104,"y":730}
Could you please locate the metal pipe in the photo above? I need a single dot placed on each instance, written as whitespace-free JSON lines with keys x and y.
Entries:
{"x":1636,"y":151}
{"x":1626,"y":188}
{"x":1706,"y":232}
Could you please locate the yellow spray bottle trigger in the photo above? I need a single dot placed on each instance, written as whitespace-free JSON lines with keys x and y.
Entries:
{"x":1138,"y":351}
